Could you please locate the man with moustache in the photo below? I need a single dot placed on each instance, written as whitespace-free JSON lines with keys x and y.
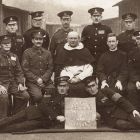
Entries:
{"x":94,"y":36}
{"x":38,"y":66}
{"x":59,"y":39}
{"x":36,"y":25}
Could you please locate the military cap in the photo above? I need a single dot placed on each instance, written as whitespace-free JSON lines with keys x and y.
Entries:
{"x":89,"y":79}
{"x":9,"y":19}
{"x":65,"y":14}
{"x":37,"y":14}
{"x":136,"y":33}
{"x":62,"y":79}
{"x":96,"y":11}
{"x":4,"y":39}
{"x":38,"y":32}
{"x":129,"y":16}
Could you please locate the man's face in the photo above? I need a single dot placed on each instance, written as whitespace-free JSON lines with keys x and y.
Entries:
{"x":37,"y":22}
{"x":6,"y":46}
{"x":137,"y":40}
{"x":96,"y":18}
{"x":63,"y":88}
{"x":73,"y":39}
{"x":92,"y":88}
{"x":12,"y":27}
{"x":112,"y":42}
{"x":66,"y":22}
{"x":129,"y":24}
{"x":37,"y":41}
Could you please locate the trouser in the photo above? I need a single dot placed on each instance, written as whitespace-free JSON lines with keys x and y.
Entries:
{"x":20,"y":98}
{"x":131,"y":123}
{"x":27,"y":119}
{"x":134,"y":95}
{"x":36,"y":92}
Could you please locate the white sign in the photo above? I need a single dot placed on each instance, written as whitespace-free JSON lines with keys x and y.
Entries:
{"x":80,"y":113}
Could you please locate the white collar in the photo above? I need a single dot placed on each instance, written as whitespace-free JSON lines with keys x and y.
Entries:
{"x":114,"y":50}
{"x":69,"y":48}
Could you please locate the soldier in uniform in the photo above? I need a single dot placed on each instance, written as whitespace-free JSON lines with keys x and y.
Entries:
{"x":36,"y":24}
{"x":38,"y":66}
{"x":94,"y":36}
{"x":48,"y":114}
{"x":17,"y":41}
{"x":60,"y":38}
{"x":134,"y":72}
{"x":115,"y":110}
{"x":11,"y":79}
{"x":112,"y":66}
{"x":126,"y":42}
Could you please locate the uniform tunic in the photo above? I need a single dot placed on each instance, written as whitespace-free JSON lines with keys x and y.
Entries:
{"x":94,"y":37}
{"x":134,"y":76}
{"x":37,"y":63}
{"x":10,"y":76}
{"x":17,"y":42}
{"x":126,"y":43}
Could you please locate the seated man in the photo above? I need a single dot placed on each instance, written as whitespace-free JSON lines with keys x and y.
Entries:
{"x":11,"y":79}
{"x":115,"y":110}
{"x":37,"y":66}
{"x":134,"y":72}
{"x":48,"y":113}
{"x":76,"y":61}
{"x":112,"y":66}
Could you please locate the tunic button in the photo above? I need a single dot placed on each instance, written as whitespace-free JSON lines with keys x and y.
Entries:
{"x":95,"y":46}
{"x":95,"y":39}
{"x":96,"y":28}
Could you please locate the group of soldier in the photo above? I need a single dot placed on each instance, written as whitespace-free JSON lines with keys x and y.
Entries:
{"x":99,"y":64}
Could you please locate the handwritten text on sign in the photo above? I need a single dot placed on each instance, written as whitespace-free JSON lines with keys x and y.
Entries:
{"x":80,"y":113}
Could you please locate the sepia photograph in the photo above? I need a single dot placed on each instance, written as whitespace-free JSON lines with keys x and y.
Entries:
{"x":69,"y":69}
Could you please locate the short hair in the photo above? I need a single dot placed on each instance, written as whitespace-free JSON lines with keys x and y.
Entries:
{"x":112,"y":35}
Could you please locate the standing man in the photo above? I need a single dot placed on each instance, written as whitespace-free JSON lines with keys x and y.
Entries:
{"x":60,"y":38}
{"x":17,"y":41}
{"x":112,"y":66}
{"x":36,"y":24}
{"x":37,"y":66}
{"x":94,"y":36}
{"x":126,"y":42}
{"x":11,"y":79}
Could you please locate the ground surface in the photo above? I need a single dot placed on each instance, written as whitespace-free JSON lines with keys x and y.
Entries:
{"x":74,"y":136}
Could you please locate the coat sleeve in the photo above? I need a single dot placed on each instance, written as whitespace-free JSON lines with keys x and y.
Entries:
{"x":123,"y":76}
{"x":47,"y":76}
{"x":53,"y":46}
{"x":19,"y":73}
{"x":87,"y":71}
{"x":26,"y":68}
{"x":100,"y":69}
{"x":119,"y":100}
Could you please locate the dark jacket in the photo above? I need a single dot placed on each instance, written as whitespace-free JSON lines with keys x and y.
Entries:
{"x":37,"y":63}
{"x":113,"y":105}
{"x":112,"y":66}
{"x":134,"y":65}
{"x":17,"y":42}
{"x":126,"y":43}
{"x":94,"y":37}
{"x":48,"y":108}
{"x":10,"y":68}
{"x":57,"y":43}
